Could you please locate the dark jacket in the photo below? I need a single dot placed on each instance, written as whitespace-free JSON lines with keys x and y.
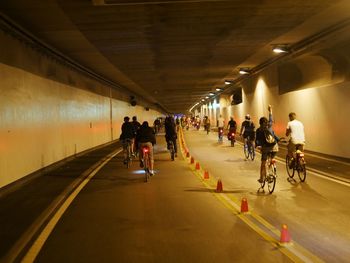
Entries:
{"x":136,"y":125}
{"x":170,"y":130}
{"x":128,"y":131}
{"x":145,"y":134}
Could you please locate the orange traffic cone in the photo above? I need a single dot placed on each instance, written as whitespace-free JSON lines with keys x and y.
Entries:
{"x":244,"y":205}
{"x":206,"y":175}
{"x":197,"y":166}
{"x":192,"y":160}
{"x":219,"y":186}
{"x":285,"y":237}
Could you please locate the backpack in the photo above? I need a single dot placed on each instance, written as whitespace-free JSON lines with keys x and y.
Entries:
{"x":269,"y":138}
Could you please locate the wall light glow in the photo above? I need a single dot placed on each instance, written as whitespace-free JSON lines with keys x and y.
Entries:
{"x":216,"y":105}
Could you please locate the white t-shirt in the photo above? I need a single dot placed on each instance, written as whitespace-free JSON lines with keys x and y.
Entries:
{"x":297,"y":134}
{"x":221,"y":122}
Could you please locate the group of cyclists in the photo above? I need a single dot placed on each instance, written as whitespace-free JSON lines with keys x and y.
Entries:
{"x":142,"y":135}
{"x":264,"y":137}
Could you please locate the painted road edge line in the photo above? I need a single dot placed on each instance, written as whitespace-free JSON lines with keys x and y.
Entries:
{"x":34,"y":250}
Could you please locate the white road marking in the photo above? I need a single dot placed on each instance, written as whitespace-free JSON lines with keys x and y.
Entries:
{"x":40,"y":241}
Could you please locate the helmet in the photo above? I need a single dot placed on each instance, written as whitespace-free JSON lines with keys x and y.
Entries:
{"x":247,"y":117}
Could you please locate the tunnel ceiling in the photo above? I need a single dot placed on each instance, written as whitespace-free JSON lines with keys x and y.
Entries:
{"x":172,"y":53}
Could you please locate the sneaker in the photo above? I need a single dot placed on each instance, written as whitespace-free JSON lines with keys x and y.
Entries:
{"x":124,"y":161}
{"x":151,"y":172}
{"x":175,"y":154}
{"x":260,"y":180}
{"x":141,"y":164}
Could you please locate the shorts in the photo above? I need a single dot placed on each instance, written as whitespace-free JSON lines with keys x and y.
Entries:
{"x":125,"y":142}
{"x":266,"y":150}
{"x":251,"y":135}
{"x":292,"y":147}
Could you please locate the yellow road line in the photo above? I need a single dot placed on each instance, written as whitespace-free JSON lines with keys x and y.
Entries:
{"x":40,"y":241}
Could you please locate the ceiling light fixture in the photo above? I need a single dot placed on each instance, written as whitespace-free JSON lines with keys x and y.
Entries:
{"x":280,"y":48}
{"x":244,"y":71}
{"x":211,"y":93}
{"x":218,"y":89}
{"x":228,"y":82}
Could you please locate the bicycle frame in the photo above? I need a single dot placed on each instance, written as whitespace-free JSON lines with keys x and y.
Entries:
{"x":220,"y":134}
{"x":249,"y":150}
{"x":128,"y":153}
{"x":271,"y":174}
{"x":172,"y":150}
{"x":146,"y":162}
{"x":298,"y":164}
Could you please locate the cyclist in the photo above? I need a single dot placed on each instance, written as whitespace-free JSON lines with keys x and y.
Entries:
{"x":136,"y":125}
{"x":266,"y":140}
{"x":221,"y":125}
{"x":156,"y":125}
{"x":248,"y":130}
{"x":206,"y":124}
{"x":128,"y":134}
{"x":232,"y":125}
{"x":178,"y":123}
{"x":145,"y":137}
{"x":170,"y":133}
{"x":295,"y":129}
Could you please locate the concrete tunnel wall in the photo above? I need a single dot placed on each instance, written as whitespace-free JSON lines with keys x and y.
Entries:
{"x":320,"y":102}
{"x":44,"y":119}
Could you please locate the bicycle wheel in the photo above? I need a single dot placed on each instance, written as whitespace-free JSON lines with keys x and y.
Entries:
{"x":172,"y":151}
{"x":252,"y":152}
{"x":263,"y":184}
{"x":290,"y":171}
{"x":271,"y":178}
{"x":301,"y":170}
{"x":246,"y":151}
{"x":146,"y":166}
{"x":271,"y":182}
{"x":128,"y":158}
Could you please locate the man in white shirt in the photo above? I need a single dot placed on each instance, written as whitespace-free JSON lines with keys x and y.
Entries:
{"x":221,"y":122}
{"x":221,"y":125}
{"x":295,"y":129}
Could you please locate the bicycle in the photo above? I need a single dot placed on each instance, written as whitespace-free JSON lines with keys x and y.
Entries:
{"x":271,"y":174}
{"x":128,"y":158}
{"x":220,"y":134}
{"x":172,"y":150}
{"x":231,"y":136}
{"x":297,"y":163}
{"x":249,"y":150}
{"x":207,"y":128}
{"x":146,"y":162}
